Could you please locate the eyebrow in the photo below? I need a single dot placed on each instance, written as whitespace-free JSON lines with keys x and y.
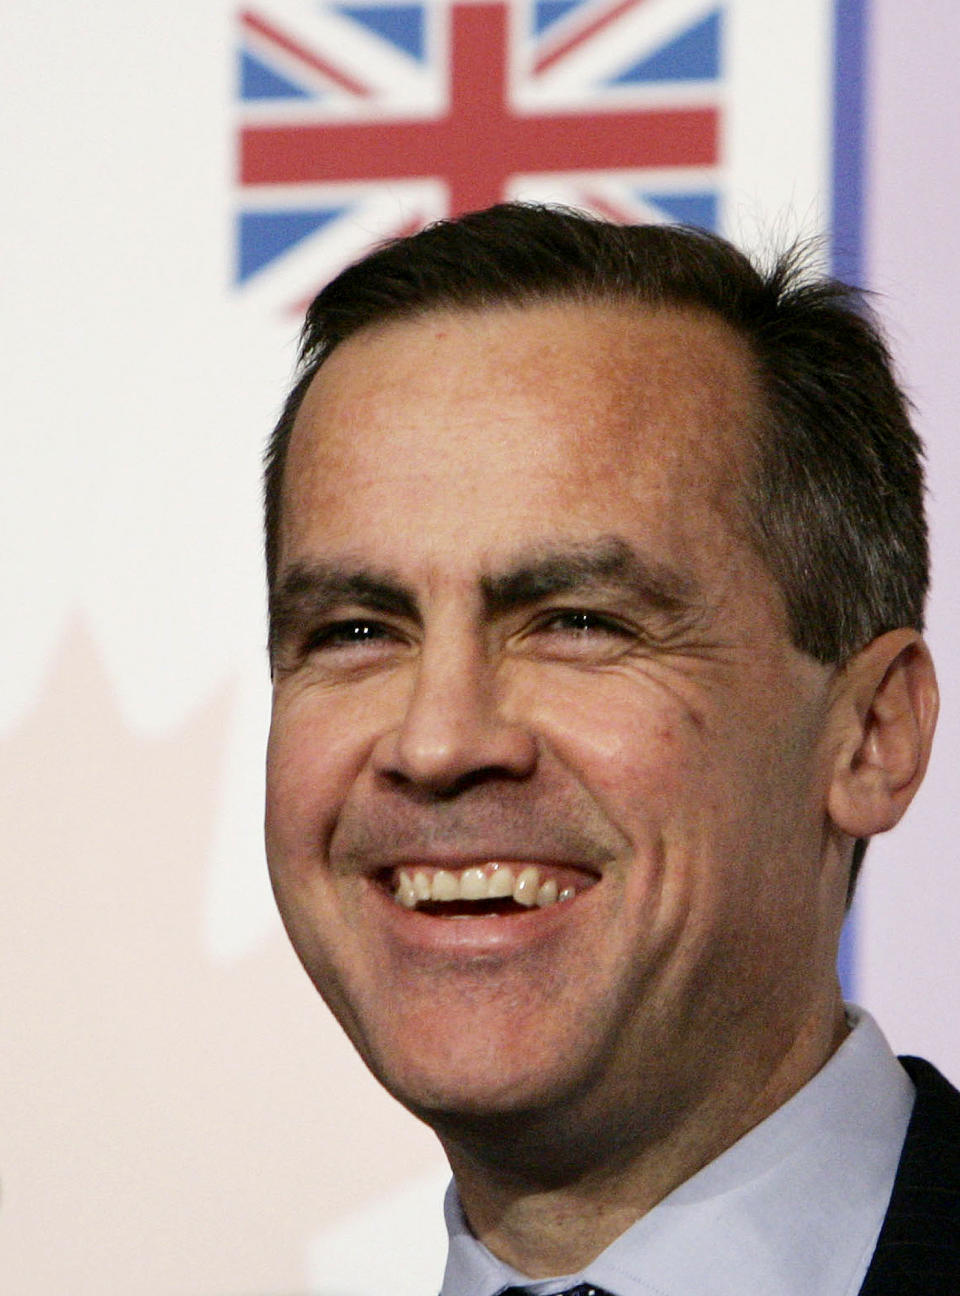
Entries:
{"x":608,"y":565}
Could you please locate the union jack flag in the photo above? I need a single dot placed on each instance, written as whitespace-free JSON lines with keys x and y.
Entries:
{"x":364,"y":120}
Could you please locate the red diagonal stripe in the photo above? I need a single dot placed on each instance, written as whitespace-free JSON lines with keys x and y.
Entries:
{"x":255,"y":23}
{"x":603,"y":207}
{"x":577,"y":38}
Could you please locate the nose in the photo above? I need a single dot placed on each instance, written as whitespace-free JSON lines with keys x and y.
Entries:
{"x":455,"y":730}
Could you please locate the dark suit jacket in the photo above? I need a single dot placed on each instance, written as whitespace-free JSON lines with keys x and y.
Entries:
{"x":918,"y":1251}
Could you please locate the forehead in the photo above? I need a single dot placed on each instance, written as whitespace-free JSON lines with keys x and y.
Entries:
{"x":558,"y":409}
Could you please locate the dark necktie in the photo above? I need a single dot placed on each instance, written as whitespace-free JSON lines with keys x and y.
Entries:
{"x":582,"y":1289}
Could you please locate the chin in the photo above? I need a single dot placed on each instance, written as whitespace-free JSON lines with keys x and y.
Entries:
{"x":441,"y":1074}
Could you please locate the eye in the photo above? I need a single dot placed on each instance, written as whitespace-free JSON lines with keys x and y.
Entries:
{"x":354,"y":633}
{"x":581,"y":634}
{"x":339,"y":647}
{"x":581,"y":623}
{"x":351,"y":646}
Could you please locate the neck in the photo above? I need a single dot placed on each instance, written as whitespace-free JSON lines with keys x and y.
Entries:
{"x":548,"y":1194}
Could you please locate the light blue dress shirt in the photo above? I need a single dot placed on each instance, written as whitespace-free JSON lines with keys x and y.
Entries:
{"x":792,"y":1208}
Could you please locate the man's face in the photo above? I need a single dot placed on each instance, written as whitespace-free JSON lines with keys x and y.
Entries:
{"x":519,"y":627}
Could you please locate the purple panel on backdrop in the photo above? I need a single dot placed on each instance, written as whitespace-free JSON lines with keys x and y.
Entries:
{"x":847,"y":956}
{"x":846,"y":216}
{"x":849,"y":80}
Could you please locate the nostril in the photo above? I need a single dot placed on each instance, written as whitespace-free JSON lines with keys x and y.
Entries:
{"x":438,"y":789}
{"x":448,"y":758}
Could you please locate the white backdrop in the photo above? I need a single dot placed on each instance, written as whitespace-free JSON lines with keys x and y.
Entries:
{"x":178,"y":1114}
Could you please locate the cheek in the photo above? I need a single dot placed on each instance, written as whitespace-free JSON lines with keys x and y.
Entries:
{"x":310,"y":769}
{"x":699,"y":796}
{"x":314,"y":754}
{"x":638,"y":752}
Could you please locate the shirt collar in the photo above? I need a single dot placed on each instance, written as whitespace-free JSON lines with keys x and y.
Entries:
{"x":794,"y":1206}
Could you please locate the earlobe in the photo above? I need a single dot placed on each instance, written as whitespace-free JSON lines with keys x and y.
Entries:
{"x":886,"y":705}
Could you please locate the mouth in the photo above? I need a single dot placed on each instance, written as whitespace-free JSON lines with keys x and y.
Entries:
{"x":494,"y":888}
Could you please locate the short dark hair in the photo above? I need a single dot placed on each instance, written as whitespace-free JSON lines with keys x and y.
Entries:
{"x":835,"y":504}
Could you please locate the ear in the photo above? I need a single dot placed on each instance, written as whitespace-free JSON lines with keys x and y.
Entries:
{"x":886,"y":707}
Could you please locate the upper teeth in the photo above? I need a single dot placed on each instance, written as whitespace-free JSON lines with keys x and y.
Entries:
{"x":495,"y":882}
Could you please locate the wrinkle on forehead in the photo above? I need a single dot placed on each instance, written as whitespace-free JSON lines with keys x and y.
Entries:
{"x":621,"y":387}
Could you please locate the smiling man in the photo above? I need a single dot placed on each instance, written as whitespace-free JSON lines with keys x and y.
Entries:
{"x":597,"y":565}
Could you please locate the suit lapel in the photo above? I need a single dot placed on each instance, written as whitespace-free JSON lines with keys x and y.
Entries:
{"x":918,"y":1251}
